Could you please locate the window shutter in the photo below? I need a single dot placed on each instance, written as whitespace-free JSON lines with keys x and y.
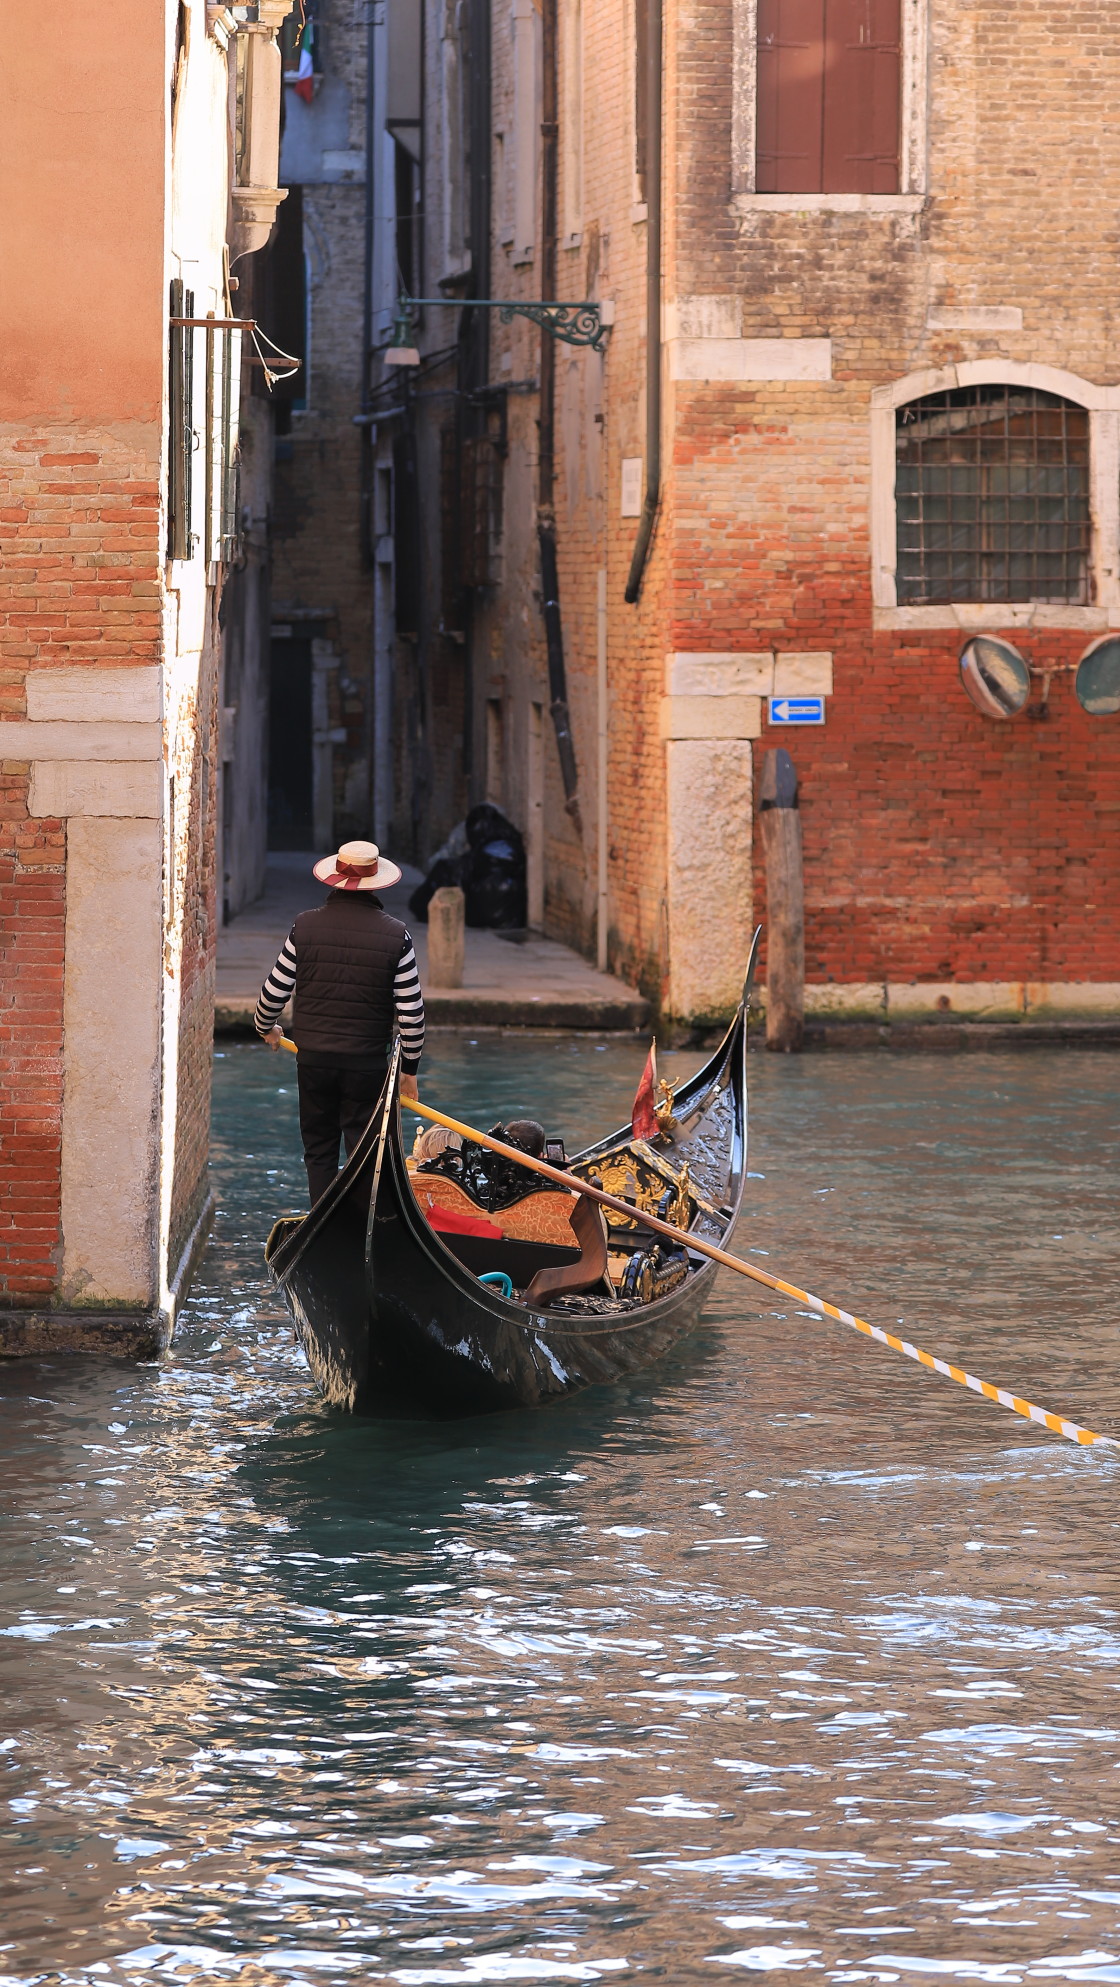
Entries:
{"x":862,"y":87}
{"x":790,"y":95}
{"x":829,"y":84}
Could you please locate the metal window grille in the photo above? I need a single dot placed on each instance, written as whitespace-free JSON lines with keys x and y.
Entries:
{"x":223,"y":473}
{"x":992,"y":497}
{"x":180,"y":446}
{"x":231,"y":448}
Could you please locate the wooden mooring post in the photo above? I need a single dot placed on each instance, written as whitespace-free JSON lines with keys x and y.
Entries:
{"x":780,"y":826}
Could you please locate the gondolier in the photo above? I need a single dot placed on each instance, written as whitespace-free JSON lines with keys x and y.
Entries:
{"x":352,"y":970}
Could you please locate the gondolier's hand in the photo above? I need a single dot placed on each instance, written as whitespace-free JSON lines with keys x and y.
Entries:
{"x":274,"y":1037}
{"x":408,"y":1089}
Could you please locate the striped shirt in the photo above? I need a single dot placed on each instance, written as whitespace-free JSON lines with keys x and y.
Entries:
{"x":407,"y":999}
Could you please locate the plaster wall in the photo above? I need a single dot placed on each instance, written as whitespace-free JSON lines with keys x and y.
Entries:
{"x":114,"y":151}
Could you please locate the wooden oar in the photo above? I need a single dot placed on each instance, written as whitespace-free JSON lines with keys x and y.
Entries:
{"x":684,"y":1238}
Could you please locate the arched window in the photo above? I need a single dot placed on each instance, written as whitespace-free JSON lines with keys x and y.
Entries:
{"x":992,"y":497}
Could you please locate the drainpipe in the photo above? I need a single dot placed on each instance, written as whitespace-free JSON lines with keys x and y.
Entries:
{"x":474,"y":353}
{"x":653,"y":304}
{"x":375,"y":699}
{"x":546,"y":518}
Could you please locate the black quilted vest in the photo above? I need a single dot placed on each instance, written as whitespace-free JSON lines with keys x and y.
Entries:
{"x":347,"y":954}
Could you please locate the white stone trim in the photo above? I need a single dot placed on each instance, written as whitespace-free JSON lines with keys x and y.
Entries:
{"x":724,"y":717}
{"x":976,"y":1000}
{"x":975,"y":616}
{"x":702,"y":360}
{"x":996,"y":372}
{"x":114,"y":912}
{"x":701,"y":317}
{"x":1072,"y":997}
{"x":1103,"y":404}
{"x":178,"y":1285}
{"x":21,"y":738}
{"x":828,"y":203}
{"x":691,"y":677}
{"x":976,"y":317}
{"x":803,"y":675}
{"x":728,"y":674}
{"x":708,"y":898}
{"x":124,"y":789}
{"x":913,"y":133}
{"x":87,"y":695}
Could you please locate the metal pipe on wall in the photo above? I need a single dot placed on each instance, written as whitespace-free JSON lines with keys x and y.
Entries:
{"x":653,"y":303}
{"x":379,"y":690}
{"x":474,"y":357}
{"x":546,"y":519}
{"x":604,"y":743}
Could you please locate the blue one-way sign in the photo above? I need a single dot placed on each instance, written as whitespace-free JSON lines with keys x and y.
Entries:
{"x":797,"y":710}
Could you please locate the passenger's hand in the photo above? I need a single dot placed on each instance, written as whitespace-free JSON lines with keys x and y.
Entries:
{"x":274,"y":1037}
{"x":409,"y":1090}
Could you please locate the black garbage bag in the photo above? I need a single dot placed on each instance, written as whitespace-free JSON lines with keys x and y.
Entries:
{"x":494,"y":880}
{"x":485,"y":857}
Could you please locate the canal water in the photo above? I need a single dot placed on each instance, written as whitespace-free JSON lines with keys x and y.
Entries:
{"x":784,"y":1657}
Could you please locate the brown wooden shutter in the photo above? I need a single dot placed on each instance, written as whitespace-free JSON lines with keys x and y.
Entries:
{"x":829,"y":83}
{"x":862,"y":87}
{"x":790,"y":95}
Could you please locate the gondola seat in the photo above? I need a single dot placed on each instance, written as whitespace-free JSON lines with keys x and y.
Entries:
{"x":539,"y":1217}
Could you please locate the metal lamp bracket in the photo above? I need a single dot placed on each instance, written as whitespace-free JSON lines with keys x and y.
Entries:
{"x":573,"y":324}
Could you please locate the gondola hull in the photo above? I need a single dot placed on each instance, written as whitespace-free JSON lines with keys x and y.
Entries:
{"x":389,"y":1316}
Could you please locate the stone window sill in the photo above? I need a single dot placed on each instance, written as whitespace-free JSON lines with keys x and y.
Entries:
{"x":828,"y":203}
{"x":971,"y":617}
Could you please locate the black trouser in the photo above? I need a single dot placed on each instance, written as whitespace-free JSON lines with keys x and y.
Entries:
{"x":334,"y":1102}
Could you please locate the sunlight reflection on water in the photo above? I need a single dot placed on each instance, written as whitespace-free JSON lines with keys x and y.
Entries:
{"x":295,"y":1699}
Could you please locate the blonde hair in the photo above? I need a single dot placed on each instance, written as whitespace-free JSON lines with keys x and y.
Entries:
{"x":431,"y":1140}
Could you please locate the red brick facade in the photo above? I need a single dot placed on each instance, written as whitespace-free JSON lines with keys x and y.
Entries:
{"x":942,"y":849}
{"x":32,"y":914}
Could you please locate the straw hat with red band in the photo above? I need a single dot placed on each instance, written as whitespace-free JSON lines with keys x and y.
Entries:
{"x":358,"y":866}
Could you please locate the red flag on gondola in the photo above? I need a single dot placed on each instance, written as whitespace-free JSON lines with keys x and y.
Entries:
{"x":643,"y":1117}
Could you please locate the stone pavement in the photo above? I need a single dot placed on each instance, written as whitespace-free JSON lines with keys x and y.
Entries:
{"x":537,"y":984}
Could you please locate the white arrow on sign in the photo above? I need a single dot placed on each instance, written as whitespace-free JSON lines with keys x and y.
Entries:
{"x":797,"y":710}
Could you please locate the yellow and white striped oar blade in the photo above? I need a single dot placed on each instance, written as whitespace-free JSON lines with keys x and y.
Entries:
{"x":1055,"y":1422}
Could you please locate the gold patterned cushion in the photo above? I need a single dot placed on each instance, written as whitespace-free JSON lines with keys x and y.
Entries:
{"x":537,"y":1218}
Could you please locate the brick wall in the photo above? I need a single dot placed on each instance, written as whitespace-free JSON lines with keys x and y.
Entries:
{"x":940,"y":847}
{"x":78,"y":585}
{"x":32,"y":915}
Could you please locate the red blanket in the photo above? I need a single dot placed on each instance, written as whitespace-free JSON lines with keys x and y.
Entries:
{"x":446,"y":1222}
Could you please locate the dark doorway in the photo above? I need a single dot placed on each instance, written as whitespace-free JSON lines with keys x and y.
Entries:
{"x":289,"y":745}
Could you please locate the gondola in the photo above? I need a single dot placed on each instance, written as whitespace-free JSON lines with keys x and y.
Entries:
{"x":392,"y":1314}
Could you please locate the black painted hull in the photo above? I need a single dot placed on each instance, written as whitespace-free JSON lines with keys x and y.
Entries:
{"x":388,"y":1316}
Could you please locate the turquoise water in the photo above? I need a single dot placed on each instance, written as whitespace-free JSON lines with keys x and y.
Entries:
{"x":784,"y":1657}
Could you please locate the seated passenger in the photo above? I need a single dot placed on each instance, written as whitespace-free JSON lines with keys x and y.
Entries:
{"x":526,"y":1134}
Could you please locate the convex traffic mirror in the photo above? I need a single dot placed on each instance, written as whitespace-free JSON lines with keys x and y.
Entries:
{"x":1097,"y":682}
{"x":995,"y":676}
